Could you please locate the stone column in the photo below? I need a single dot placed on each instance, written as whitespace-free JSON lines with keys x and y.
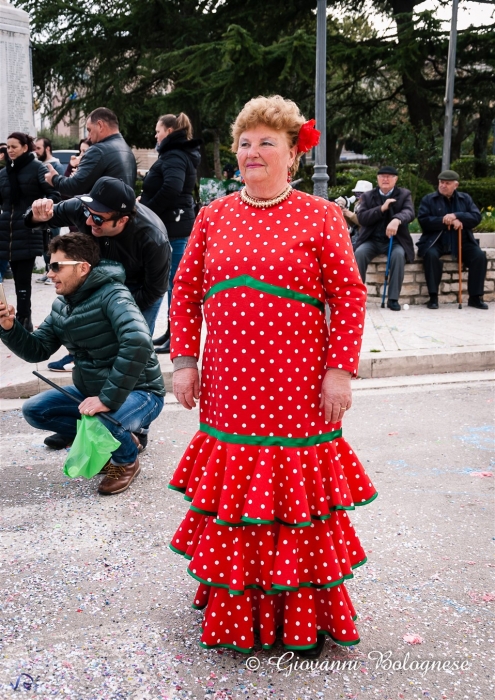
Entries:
{"x":16,"y":83}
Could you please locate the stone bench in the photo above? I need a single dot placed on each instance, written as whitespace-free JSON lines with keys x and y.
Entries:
{"x":414,"y":289}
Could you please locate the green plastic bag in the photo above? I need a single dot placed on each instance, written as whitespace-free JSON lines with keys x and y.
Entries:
{"x":91,"y":448}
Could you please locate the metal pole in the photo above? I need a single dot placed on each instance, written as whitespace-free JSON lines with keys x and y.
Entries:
{"x":320,"y":176}
{"x":449,"y":89}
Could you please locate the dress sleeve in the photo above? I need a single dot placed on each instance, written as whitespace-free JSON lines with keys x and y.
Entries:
{"x":345,"y":294}
{"x":186,"y":314}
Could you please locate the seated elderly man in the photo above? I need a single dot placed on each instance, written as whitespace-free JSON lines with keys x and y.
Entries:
{"x":385,"y":212}
{"x":116,"y":369}
{"x":440,"y":216}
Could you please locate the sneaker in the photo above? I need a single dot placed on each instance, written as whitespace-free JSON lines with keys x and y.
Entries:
{"x":42,"y":279}
{"x":66,"y":364}
{"x":49,"y":281}
{"x":57,"y":441}
{"x":118,"y":477}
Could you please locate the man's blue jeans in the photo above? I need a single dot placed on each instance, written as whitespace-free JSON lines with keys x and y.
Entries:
{"x":178,"y":248}
{"x":51,"y":410}
{"x":150,"y":314}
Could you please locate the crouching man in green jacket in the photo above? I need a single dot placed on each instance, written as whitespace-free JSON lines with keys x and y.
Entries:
{"x":115,"y":370}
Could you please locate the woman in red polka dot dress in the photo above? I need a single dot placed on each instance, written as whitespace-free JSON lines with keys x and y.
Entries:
{"x":269,"y":478}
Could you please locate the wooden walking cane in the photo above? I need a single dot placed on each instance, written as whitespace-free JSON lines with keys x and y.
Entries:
{"x":459,"y":259}
{"x":459,"y":262}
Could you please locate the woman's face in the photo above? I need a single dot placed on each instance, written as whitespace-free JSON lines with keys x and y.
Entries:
{"x":264,"y":155}
{"x":83,"y":148}
{"x":161,"y":131}
{"x":15,"y":148}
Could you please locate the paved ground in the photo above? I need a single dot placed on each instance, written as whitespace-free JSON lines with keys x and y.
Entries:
{"x":96,"y":607}
{"x":416,"y":341}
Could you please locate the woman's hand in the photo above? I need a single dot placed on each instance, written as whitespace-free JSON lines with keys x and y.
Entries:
{"x":336,"y":394}
{"x":186,"y":386}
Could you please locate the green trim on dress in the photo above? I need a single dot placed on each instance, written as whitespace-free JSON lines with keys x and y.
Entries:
{"x":270,"y":440}
{"x":276,"y":588}
{"x":253,"y":283}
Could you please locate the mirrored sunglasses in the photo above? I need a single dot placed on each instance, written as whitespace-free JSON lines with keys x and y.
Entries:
{"x":99,"y":220}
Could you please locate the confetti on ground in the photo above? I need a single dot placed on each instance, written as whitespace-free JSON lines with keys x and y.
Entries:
{"x":63,"y":549}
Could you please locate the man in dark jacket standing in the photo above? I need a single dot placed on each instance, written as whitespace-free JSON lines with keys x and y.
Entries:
{"x":385,"y":212}
{"x":440,"y":216}
{"x":116,"y":370}
{"x":127,"y":232}
{"x":109,"y":155}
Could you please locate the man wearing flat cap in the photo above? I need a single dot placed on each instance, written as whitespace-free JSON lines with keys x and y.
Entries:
{"x":440,"y":215}
{"x":385,"y":212}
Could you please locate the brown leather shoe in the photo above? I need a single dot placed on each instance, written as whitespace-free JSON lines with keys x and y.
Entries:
{"x":138,"y":443}
{"x":118,"y":477}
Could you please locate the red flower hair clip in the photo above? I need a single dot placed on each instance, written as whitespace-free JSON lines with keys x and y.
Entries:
{"x":308,"y":137}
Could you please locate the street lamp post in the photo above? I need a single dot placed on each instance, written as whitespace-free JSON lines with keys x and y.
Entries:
{"x":449,"y":89}
{"x":320,"y":176}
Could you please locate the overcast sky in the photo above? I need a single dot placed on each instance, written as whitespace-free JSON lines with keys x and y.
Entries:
{"x":470,"y":13}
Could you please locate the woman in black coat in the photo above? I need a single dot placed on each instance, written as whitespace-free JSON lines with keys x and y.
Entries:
{"x":21,"y":182}
{"x":168,"y":190}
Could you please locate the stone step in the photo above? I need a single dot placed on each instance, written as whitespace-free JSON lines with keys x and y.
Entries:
{"x":414,"y":289}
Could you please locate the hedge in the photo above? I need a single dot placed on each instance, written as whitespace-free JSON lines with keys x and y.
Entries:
{"x":482,"y":191}
{"x":465,"y":167}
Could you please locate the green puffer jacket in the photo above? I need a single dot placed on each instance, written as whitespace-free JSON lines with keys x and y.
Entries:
{"x":103,"y":328}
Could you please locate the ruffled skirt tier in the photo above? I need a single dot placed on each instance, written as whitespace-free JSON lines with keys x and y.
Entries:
{"x":269,"y":539}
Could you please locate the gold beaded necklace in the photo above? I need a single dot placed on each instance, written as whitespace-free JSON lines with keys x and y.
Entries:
{"x":265,"y":203}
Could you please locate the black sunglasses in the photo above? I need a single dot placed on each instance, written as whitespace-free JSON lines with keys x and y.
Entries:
{"x":55,"y":266}
{"x":99,"y":220}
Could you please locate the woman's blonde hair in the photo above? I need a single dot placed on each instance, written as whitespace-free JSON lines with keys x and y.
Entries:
{"x":181,"y":121}
{"x":275,"y":112}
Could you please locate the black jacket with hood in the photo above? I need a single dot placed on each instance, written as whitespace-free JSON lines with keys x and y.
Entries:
{"x":17,"y":241}
{"x":169,"y":185}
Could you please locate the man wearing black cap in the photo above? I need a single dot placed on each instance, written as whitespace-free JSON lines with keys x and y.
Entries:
{"x":385,"y":212}
{"x":127,"y":232}
{"x":440,"y":216}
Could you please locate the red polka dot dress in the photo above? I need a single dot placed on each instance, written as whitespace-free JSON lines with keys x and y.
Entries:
{"x":269,"y":482}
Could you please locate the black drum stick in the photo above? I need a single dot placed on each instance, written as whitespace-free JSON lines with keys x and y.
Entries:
{"x":69,"y":396}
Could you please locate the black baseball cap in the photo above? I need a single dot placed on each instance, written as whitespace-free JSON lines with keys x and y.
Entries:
{"x":110,"y":194}
{"x":387,"y":170}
